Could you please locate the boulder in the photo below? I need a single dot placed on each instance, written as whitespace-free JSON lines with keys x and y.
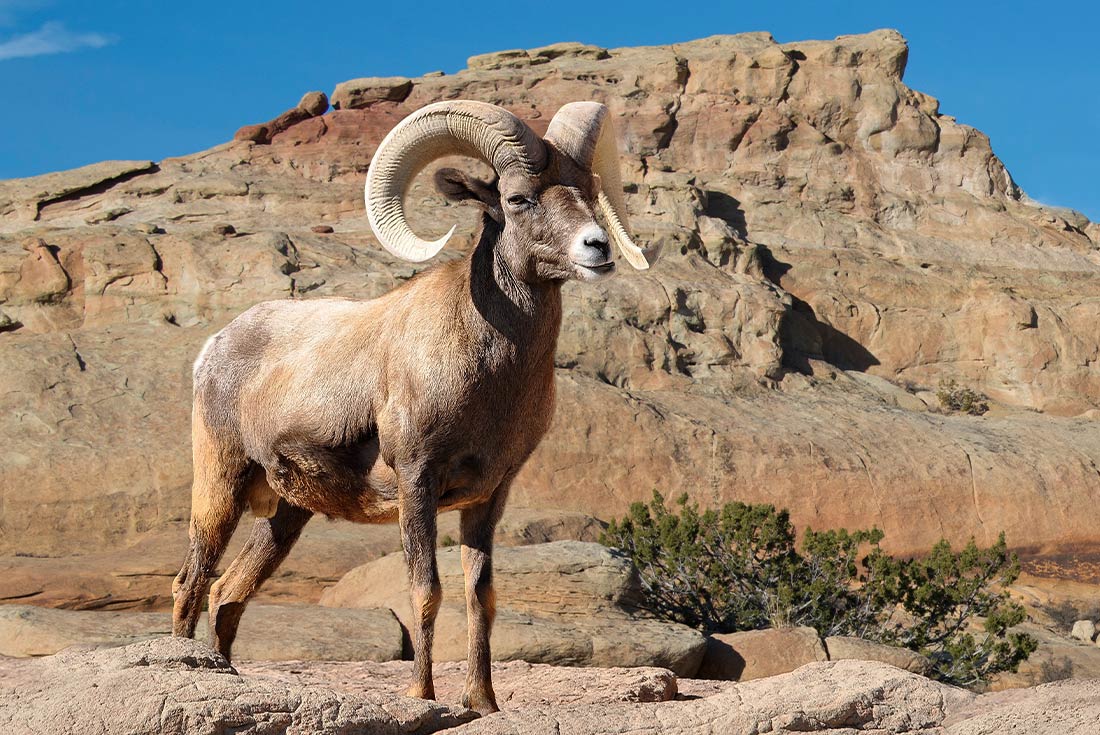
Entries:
{"x":561,"y":578}
{"x":510,"y":58}
{"x":267,"y":632}
{"x":565,"y":602}
{"x":525,"y":526}
{"x":846,"y":647}
{"x":756,"y":654}
{"x":42,"y":279}
{"x":608,"y":638}
{"x":178,"y":686}
{"x":570,"y":49}
{"x":311,"y":105}
{"x":25,"y":198}
{"x":257,"y":133}
{"x":362,"y":93}
{"x":1083,"y":630}
{"x":314,"y":103}
{"x":310,"y":632}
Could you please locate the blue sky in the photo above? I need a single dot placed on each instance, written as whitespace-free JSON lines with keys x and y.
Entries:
{"x":87,"y":80}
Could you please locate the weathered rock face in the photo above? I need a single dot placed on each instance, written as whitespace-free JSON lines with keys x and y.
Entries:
{"x":267,"y":632}
{"x":139,"y":576}
{"x":837,"y":697}
{"x":566,"y":603}
{"x":828,"y":236}
{"x":174,"y":685}
{"x":841,"y":648}
{"x":518,"y":684}
{"x":179,"y":686}
{"x":756,"y":654}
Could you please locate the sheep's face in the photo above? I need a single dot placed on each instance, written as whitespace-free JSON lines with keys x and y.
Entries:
{"x":550,"y":232}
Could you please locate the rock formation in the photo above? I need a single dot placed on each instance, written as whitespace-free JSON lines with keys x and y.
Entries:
{"x":267,"y":633}
{"x":173,"y":686}
{"x":565,"y":603}
{"x":179,"y":686}
{"x":834,"y":248}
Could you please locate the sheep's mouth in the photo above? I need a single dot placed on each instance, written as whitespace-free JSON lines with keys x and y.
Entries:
{"x":601,"y":270}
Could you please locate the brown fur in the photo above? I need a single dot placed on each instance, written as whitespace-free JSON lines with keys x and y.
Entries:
{"x":429,"y":398}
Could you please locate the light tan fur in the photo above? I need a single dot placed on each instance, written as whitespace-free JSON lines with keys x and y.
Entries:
{"x":427,"y":399}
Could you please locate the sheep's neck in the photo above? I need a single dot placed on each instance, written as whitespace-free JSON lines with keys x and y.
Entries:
{"x":525,"y":316}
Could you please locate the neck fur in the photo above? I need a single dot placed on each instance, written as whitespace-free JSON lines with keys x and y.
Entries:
{"x":528,"y":315}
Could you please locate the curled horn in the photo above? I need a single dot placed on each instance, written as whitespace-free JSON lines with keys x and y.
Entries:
{"x":584,"y":132}
{"x":456,"y":127}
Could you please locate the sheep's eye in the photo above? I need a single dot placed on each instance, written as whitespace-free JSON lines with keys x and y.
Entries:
{"x":518,"y":200}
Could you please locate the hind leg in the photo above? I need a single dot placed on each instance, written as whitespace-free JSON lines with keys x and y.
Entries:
{"x":478,"y":525}
{"x":216,"y":505}
{"x":267,"y":546}
{"x":417,"y":501}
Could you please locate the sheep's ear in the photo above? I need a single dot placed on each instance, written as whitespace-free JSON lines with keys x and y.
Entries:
{"x":458,"y":187}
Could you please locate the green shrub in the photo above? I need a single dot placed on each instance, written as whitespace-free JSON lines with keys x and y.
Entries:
{"x":953,"y":397}
{"x":741,"y":568}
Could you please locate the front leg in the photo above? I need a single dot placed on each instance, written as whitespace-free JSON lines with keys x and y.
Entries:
{"x":477,"y":527}
{"x":417,"y":508}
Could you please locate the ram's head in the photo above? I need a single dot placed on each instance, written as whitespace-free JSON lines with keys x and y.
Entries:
{"x":543,"y":201}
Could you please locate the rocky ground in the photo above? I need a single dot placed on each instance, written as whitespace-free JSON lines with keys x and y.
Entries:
{"x":565,"y":603}
{"x":834,"y":249}
{"x":179,"y":686}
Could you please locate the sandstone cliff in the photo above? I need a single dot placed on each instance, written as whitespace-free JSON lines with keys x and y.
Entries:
{"x":834,"y":247}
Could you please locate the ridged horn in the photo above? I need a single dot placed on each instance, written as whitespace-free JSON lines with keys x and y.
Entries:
{"x":456,"y":127}
{"x":584,"y":132}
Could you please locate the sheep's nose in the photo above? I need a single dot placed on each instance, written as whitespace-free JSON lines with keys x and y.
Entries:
{"x":598,"y":243}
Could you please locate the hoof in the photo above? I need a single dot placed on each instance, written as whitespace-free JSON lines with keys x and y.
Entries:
{"x":420,"y":692}
{"x":483,"y":705}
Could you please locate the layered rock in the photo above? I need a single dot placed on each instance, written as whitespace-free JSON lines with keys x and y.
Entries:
{"x":179,"y":686}
{"x":267,"y":632}
{"x":139,"y":577}
{"x":566,"y":603}
{"x":833,"y":245}
{"x":174,"y":685}
{"x":757,"y":654}
{"x":841,"y":648}
{"x":518,"y":684}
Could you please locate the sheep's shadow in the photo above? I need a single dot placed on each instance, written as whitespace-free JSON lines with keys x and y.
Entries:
{"x":802,"y":335}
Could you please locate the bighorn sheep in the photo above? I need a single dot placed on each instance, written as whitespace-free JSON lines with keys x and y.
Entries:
{"x":427,"y":399}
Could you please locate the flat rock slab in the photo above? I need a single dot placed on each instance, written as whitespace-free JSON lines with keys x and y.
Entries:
{"x":1059,"y":708}
{"x":518,"y":684}
{"x":267,"y":632}
{"x":566,"y":603}
{"x":174,"y":685}
{"x":830,"y":697}
{"x":139,"y":577}
{"x":181,"y":686}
